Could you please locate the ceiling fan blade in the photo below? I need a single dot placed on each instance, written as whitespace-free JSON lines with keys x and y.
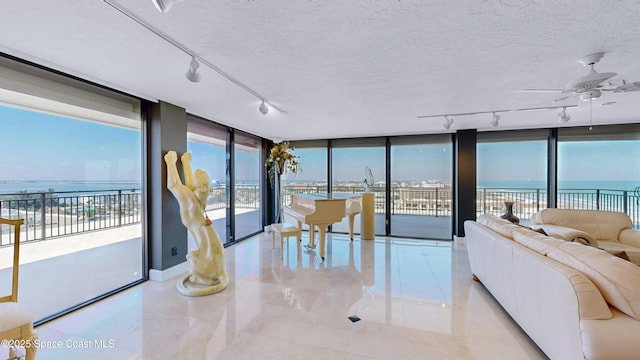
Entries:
{"x":541,"y":90}
{"x":589,"y":81}
{"x":565,"y":98}
{"x":634,"y":86}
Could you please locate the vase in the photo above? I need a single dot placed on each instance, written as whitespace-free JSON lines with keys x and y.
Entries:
{"x":508,"y":213}
{"x":277,"y":174}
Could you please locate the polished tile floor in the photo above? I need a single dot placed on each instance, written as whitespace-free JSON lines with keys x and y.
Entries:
{"x":415,"y":300}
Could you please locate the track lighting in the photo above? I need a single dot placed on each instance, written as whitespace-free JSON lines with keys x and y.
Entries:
{"x":264,"y":108}
{"x":563,"y":117}
{"x":447,"y":124}
{"x":164,"y":5}
{"x":495,"y":120}
{"x":192,"y":74}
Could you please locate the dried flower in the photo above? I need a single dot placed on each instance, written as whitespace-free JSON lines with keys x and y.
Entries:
{"x":282,"y":154}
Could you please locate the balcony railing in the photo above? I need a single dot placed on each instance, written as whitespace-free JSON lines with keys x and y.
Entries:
{"x":529,"y":201}
{"x":54,"y":214}
{"x":436,"y":201}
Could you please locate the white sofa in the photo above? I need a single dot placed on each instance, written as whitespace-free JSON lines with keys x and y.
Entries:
{"x":608,"y":230}
{"x":574,"y":301}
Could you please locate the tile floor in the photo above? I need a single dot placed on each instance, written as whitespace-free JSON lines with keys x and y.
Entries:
{"x":415,"y":299}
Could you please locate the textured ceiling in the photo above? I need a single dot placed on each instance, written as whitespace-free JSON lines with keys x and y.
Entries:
{"x":343,"y":68}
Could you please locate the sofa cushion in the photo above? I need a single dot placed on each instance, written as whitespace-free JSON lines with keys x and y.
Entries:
{"x":536,"y":242}
{"x":499,"y":225}
{"x":592,"y":305}
{"x":601,"y":225}
{"x":569,"y":234}
{"x":633,"y":253}
{"x":618,"y":280}
{"x":630,"y":237}
{"x":613,"y":339}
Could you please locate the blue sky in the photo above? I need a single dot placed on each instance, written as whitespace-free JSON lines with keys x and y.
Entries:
{"x":212,"y":159}
{"x":39,"y":146}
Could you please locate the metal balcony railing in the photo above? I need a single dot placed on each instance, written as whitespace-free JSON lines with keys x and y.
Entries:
{"x":55,"y":214}
{"x":437,"y":201}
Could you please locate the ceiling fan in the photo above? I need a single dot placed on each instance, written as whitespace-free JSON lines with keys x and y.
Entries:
{"x":591,"y":85}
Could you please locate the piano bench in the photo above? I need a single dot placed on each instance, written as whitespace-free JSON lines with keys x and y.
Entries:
{"x":284,"y":231}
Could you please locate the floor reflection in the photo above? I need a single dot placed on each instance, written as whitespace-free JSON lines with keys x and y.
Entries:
{"x":415,"y":299}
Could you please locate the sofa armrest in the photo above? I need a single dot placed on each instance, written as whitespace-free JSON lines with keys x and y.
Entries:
{"x":630,"y":237}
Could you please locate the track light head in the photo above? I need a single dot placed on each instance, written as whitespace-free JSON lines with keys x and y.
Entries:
{"x":264,"y":108}
{"x":563,"y":117}
{"x":448,"y":122}
{"x":164,"y":5}
{"x":192,"y":74}
{"x":495,"y":120}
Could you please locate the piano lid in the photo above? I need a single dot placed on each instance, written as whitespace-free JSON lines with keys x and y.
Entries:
{"x":329,"y":196}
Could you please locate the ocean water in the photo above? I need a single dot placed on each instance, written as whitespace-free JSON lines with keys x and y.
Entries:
{"x":13,"y":187}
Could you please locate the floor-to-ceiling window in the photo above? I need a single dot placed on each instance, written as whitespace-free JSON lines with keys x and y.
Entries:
{"x":512,"y":166}
{"x":72,"y":168}
{"x":312,"y":174}
{"x":206,"y":141}
{"x":350,"y":160}
{"x":248,"y":165}
{"x":421,"y":171}
{"x":600,"y":169}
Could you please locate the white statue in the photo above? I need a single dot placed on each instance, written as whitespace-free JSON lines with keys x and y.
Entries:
{"x":206,"y":263}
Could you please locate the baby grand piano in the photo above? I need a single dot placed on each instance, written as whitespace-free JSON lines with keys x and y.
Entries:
{"x":322,"y":210}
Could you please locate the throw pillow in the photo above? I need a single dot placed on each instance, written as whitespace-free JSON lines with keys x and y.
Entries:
{"x":619,"y":253}
{"x":538,"y":230}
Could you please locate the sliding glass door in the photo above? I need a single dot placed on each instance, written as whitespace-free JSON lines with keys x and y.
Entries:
{"x":421,"y":174}
{"x":72,"y":169}
{"x":206,"y":141}
{"x":77,"y":185}
{"x":350,"y":161}
{"x":512,"y":167}
{"x":248,"y":165}
{"x":600,"y":169}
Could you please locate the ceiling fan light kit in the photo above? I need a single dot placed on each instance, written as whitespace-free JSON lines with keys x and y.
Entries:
{"x":590,"y":95}
{"x":590,"y":86}
{"x":593,"y":81}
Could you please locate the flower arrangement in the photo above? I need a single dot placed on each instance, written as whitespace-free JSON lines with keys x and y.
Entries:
{"x":282,"y":154}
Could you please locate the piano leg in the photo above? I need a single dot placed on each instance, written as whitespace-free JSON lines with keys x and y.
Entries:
{"x":351,"y":218}
{"x":323,"y":233}
{"x":312,"y":236}
{"x":300,"y":227}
